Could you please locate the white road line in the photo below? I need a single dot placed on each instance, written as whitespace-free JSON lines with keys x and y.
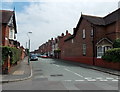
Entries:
{"x":79,"y":80}
{"x":78,"y":74}
{"x":114,"y":80}
{"x":67,"y":70}
{"x":91,"y":80}
{"x":88,"y":78}
{"x":109,"y":78}
{"x":73,"y":72}
{"x":103,"y":80}
{"x":99,"y":78}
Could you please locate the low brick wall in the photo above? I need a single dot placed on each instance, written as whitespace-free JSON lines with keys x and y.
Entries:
{"x":111,"y":65}
{"x":85,"y":60}
{"x":98,"y":62}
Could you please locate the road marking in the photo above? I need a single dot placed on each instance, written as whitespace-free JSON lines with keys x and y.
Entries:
{"x":88,"y":78}
{"x":114,"y":80}
{"x":79,"y":80}
{"x":103,"y":80}
{"x":99,"y":78}
{"x":91,"y":80}
{"x":73,"y":72}
{"x":109,"y":78}
{"x":78,"y":74}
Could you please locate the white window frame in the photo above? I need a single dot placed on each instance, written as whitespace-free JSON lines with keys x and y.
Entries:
{"x":11,"y":33}
{"x":91,"y":33}
{"x":84,"y":35}
{"x":84,"y":49}
{"x":104,"y":48}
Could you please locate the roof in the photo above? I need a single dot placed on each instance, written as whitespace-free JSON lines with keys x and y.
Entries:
{"x":100,"y":21}
{"x":93,"y":19}
{"x":6,"y":16}
{"x":112,"y":17}
{"x":70,"y":37}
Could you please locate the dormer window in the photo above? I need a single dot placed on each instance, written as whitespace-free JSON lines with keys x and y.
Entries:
{"x":83,"y":33}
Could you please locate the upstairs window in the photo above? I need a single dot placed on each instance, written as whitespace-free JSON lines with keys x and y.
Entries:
{"x":92,"y":33}
{"x":83,"y":33}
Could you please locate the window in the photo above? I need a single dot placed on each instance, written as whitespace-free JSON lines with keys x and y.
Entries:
{"x":84,"y":49}
{"x":83,"y":33}
{"x":101,"y":50}
{"x":11,"y":33}
{"x":92,"y":33}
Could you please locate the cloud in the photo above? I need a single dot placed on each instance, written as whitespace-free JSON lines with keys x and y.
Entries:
{"x":50,"y":19}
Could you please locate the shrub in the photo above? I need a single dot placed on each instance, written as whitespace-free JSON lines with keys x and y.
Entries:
{"x":13,"y":52}
{"x":116,"y":43}
{"x":112,"y":55}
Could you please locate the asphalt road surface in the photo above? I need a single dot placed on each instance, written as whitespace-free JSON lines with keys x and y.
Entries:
{"x":51,"y":74}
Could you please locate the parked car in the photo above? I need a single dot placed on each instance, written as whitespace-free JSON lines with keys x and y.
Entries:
{"x":44,"y":56}
{"x":33,"y":58}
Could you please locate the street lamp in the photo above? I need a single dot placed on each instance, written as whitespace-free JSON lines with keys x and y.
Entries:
{"x":29,"y":48}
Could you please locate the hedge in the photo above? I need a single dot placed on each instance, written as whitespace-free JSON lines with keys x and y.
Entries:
{"x":112,"y":55}
{"x":116,"y":43}
{"x":13,"y":52}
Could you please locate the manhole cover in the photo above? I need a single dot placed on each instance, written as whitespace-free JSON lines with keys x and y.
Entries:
{"x":55,"y":75}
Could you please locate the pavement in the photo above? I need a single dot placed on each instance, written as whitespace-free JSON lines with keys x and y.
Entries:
{"x":23,"y":71}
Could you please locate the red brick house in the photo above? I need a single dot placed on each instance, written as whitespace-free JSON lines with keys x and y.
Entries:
{"x":91,"y":38}
{"x":8,"y":23}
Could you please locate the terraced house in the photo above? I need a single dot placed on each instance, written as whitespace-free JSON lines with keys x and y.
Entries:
{"x":91,"y":38}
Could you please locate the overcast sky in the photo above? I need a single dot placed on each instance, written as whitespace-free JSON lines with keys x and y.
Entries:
{"x":50,"y":18}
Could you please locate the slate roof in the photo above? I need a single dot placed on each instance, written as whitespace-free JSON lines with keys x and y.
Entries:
{"x":93,"y":19}
{"x":5,"y":16}
{"x":100,"y":21}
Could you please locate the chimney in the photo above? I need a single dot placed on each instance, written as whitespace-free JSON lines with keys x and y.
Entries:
{"x":51,"y":38}
{"x":62,"y":34}
{"x":66,"y":32}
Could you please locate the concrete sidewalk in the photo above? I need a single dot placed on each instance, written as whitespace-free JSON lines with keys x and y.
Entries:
{"x":21,"y":71}
{"x":105,"y":70}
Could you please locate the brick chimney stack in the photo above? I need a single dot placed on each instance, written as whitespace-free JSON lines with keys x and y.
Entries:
{"x":62,"y":34}
{"x":66,"y":32}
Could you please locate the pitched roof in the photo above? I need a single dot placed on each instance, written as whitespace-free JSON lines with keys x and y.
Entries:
{"x":93,"y":19}
{"x":6,"y":15}
{"x":112,"y":17}
{"x":100,"y":21}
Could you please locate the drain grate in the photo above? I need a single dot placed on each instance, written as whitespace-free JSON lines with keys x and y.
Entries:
{"x":55,"y":75}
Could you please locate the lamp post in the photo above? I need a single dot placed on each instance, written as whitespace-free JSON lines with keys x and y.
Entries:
{"x":29,"y":47}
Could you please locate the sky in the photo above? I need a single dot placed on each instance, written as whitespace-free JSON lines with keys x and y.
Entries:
{"x":48,"y":19}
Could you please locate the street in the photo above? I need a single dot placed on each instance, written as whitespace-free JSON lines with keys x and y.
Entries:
{"x":52,"y":74}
